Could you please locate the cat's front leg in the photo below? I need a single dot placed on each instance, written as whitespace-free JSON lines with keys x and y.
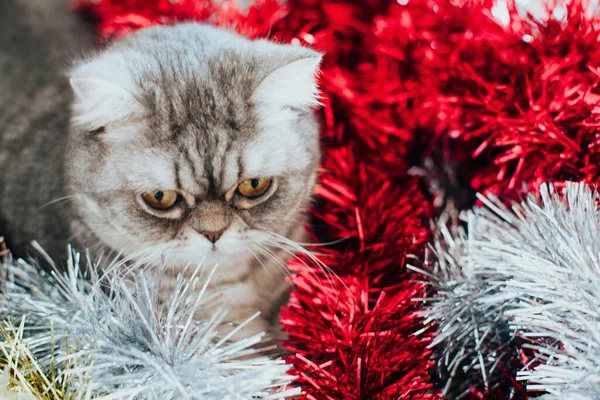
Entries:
{"x":263,"y":291}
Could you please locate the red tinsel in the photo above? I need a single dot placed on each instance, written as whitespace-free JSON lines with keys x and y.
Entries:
{"x":351,"y":335}
{"x":517,"y":106}
{"x":117,"y":18}
{"x":512,"y":106}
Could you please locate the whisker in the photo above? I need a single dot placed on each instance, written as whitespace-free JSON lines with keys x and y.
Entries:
{"x":136,"y":260}
{"x":324,"y":244}
{"x":326,"y":271}
{"x":279,"y":262}
{"x":275,"y":258}
{"x":259,"y":260}
{"x":283,"y":265}
{"x":58,"y":200}
{"x":295,"y":246}
{"x":280,"y":241}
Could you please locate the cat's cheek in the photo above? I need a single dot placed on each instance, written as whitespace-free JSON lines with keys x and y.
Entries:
{"x":275,"y":214}
{"x":140,"y":230}
{"x":235,"y":240}
{"x":250,"y":219}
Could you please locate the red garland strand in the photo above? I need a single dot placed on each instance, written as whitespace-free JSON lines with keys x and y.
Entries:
{"x":352,"y":336}
{"x":518,"y":104}
{"x":117,"y":18}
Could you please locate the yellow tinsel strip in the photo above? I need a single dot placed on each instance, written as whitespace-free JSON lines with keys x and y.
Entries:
{"x":22,"y":377}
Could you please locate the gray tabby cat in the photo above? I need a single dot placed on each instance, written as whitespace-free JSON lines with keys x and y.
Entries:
{"x":184,"y":143}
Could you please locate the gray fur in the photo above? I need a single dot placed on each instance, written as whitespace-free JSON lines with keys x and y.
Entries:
{"x":38,"y":40}
{"x":81,"y":183}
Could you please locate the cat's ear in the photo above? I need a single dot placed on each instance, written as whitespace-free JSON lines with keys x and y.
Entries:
{"x":292,"y":85}
{"x":104,"y":93}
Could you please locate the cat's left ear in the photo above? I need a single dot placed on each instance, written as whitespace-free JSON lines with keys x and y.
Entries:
{"x":104,"y":92}
{"x":292,"y":85}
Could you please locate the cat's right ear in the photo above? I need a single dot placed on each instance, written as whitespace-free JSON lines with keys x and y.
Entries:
{"x":101,"y":97}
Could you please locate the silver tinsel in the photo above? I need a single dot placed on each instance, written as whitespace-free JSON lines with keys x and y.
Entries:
{"x":115,"y":340}
{"x":534,"y":268}
{"x":474,"y":345}
{"x":552,"y":281}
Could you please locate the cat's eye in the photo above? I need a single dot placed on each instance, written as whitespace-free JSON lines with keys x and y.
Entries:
{"x":254,"y":188}
{"x":161,"y":199}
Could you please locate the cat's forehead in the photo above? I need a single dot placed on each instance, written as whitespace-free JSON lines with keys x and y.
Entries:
{"x":203,"y":124}
{"x":216,"y":99}
{"x":213,"y":130}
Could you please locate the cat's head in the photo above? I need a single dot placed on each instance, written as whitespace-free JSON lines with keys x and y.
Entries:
{"x":193,"y":143}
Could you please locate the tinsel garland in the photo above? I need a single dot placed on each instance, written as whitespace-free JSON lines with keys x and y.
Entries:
{"x":107,"y":335}
{"x":517,"y":102}
{"x":477,"y":353}
{"x":421,"y":97}
{"x":523,"y":115}
{"x":527,"y":274}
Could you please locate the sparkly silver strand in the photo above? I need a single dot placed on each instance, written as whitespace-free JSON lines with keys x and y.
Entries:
{"x":537,"y":267}
{"x":473,"y":341}
{"x":117,"y":341}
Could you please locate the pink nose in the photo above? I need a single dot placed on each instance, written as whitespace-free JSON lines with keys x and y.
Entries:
{"x":213,"y":236}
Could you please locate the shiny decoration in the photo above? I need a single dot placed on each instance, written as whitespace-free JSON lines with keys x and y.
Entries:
{"x":107,"y":334}
{"x":512,"y":99}
{"x":477,"y":353}
{"x":351,"y":324}
{"x":117,"y":18}
{"x":521,"y":293}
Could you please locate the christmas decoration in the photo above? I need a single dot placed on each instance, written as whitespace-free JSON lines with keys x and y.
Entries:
{"x":531,"y":271}
{"x":352,"y":334}
{"x":511,"y":98}
{"x":117,"y":18}
{"x":107,"y":335}
{"x":476,"y":351}
{"x":515,"y":107}
{"x":424,"y":103}
{"x":557,"y":310}
{"x":23,"y":378}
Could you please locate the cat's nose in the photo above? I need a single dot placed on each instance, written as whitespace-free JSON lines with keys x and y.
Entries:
{"x":213,"y":236}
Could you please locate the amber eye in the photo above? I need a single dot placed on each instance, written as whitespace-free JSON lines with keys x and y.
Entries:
{"x":253,"y":188}
{"x":161,"y":199}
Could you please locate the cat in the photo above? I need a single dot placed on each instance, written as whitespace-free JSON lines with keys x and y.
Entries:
{"x":181,"y":144}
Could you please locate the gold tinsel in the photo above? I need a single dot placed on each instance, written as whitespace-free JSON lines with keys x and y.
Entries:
{"x":21,"y":376}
